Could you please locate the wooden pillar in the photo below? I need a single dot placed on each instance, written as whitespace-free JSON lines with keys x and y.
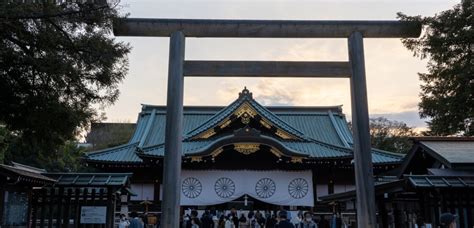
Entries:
{"x":85,"y":202}
{"x":51,"y":207}
{"x":110,"y":208}
{"x":34,"y":209}
{"x":360,"y":122}
{"x":92,"y":203}
{"x":468,"y":203}
{"x":383,"y":214}
{"x":43,"y":207}
{"x":77,"y":211}
{"x":102,"y":202}
{"x":67,"y":207}
{"x":173,"y":133}
{"x":59,"y":207}
{"x":315,"y":187}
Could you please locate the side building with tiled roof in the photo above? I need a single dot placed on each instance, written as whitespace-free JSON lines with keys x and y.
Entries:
{"x":244,"y":135}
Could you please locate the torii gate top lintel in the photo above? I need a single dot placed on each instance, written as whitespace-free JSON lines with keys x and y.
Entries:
{"x":159,"y":27}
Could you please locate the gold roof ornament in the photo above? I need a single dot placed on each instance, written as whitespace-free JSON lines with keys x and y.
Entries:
{"x":226,"y":122}
{"x":196,"y":159}
{"x":265,"y":124}
{"x":246,"y":148}
{"x":276,"y":152}
{"x":284,"y":135}
{"x":207,"y":134}
{"x":245,"y":108}
{"x":296,"y":160}
{"x":215,"y":153}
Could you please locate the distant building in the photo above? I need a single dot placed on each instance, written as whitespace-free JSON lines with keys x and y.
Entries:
{"x":436,"y":176}
{"x":103,"y":135}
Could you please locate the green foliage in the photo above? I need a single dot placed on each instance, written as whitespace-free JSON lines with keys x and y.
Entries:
{"x":447,"y":97}
{"x":390,"y":135}
{"x":56,"y":62}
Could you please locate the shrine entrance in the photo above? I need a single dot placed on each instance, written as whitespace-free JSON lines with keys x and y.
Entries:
{"x":354,"y":70}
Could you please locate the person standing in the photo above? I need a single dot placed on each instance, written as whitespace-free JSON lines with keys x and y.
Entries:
{"x":307,"y":222}
{"x":283,"y":220}
{"x":221,"y":223}
{"x":194,"y":222}
{"x":135,"y":222}
{"x":260,"y":219}
{"x":447,"y":220}
{"x":243,"y":222}
{"x":323,"y":223}
{"x":124,"y":223}
{"x":229,"y":223}
{"x":271,"y":221}
{"x":234,"y":217}
{"x":206,"y":220}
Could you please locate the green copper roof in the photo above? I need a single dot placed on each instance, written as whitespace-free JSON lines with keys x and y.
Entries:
{"x":322,"y":132}
{"x":91,"y":179}
{"x":120,"y":154}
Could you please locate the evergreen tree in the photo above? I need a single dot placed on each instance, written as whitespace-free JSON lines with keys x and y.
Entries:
{"x":57,"y":60}
{"x":447,"y":97}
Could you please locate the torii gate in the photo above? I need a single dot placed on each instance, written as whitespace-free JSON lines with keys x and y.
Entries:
{"x":354,"y":69}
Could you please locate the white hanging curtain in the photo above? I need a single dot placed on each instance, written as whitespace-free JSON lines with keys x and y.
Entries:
{"x":209,"y":187}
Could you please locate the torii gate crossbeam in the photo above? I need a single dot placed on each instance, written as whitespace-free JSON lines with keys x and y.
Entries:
{"x":354,"y":31}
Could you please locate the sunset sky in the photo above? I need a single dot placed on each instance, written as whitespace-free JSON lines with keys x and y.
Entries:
{"x":393,"y":84}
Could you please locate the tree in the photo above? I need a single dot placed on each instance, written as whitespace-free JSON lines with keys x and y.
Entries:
{"x":390,"y":135}
{"x":57,"y":62}
{"x":447,"y":41}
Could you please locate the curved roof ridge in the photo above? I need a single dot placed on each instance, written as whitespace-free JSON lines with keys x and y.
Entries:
{"x":105,"y":150}
{"x":387,"y":153}
{"x":344,"y":149}
{"x":207,"y":144}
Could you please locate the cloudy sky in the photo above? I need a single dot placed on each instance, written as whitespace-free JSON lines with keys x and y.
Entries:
{"x":393,"y":84}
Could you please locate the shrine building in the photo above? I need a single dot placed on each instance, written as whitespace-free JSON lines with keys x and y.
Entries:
{"x":244,"y":155}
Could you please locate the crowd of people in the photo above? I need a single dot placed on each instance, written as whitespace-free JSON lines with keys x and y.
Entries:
{"x":257,"y":219}
{"x":254,"y":219}
{"x":137,"y":221}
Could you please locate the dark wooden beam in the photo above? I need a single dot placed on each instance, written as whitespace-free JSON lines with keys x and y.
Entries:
{"x":266,"y":69}
{"x":264,"y":28}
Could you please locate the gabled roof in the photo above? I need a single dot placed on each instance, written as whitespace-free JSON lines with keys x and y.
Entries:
{"x":245,"y":99}
{"x":23,"y":173}
{"x":316,"y":132}
{"x":452,"y":152}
